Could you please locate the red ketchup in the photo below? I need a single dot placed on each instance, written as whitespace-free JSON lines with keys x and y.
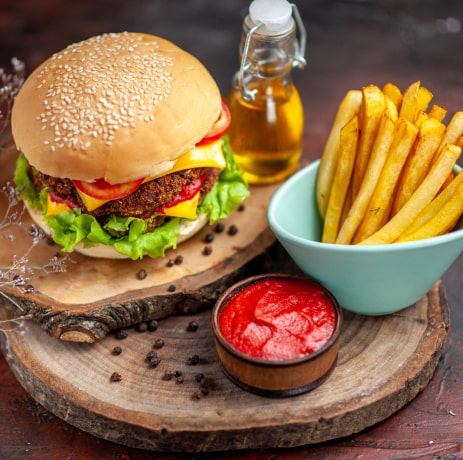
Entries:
{"x":279,"y":319}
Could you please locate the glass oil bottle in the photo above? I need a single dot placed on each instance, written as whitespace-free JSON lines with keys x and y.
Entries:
{"x":267,"y":114}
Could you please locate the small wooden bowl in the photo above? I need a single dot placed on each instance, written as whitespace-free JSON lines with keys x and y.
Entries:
{"x":275,"y":378}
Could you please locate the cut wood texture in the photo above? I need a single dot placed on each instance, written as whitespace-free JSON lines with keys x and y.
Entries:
{"x":94,"y":296}
{"x":383,"y":363}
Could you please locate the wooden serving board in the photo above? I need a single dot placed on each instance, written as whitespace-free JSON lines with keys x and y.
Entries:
{"x":94,"y":296}
{"x":383,"y":363}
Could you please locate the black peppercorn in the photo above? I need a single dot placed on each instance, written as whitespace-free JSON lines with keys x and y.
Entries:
{"x":152,"y":359}
{"x":204,"y":390}
{"x":233,"y":230}
{"x":159,"y":343}
{"x":219,"y":228}
{"x":116,"y":351}
{"x":192,"y":326}
{"x":151,"y":355}
{"x":168,"y":375}
{"x":199,"y":377}
{"x":178,"y":260}
{"x":203,"y":384}
{"x":115,"y":377}
{"x":142,"y":327}
{"x":207,"y":250}
{"x":154,"y":362}
{"x":170,"y":263}
{"x":153,"y":325}
{"x":121,"y":334}
{"x":197,"y":394}
{"x":141,"y":274}
{"x":192,"y":360}
{"x":209,"y":238}
{"x":171,"y":288}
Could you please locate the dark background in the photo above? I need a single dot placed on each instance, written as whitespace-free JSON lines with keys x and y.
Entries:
{"x":350,"y":43}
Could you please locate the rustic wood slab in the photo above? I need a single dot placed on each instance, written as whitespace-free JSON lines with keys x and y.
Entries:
{"x":384,"y":362}
{"x":94,"y":296}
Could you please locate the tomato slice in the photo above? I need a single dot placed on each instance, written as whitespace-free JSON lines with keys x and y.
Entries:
{"x":102,"y":190}
{"x":219,"y":127}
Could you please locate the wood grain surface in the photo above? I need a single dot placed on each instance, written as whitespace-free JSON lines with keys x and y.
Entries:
{"x":377,"y":373}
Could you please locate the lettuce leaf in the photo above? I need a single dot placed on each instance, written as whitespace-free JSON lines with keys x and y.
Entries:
{"x":228,"y":192}
{"x":73,"y":227}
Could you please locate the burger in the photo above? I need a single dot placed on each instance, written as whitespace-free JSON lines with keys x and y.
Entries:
{"x":123,"y":148}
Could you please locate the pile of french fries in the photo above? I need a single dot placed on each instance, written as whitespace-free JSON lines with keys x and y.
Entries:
{"x":386,"y":174}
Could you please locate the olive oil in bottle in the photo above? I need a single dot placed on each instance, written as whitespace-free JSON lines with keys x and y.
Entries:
{"x":267,"y":114}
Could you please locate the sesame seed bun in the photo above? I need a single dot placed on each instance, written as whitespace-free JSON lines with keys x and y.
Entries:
{"x":117,"y":106}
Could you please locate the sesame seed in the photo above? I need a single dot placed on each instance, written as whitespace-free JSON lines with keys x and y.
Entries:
{"x":90,"y":74}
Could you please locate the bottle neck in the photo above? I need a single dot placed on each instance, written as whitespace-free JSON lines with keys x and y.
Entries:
{"x":264,"y":56}
{"x":267,"y":55}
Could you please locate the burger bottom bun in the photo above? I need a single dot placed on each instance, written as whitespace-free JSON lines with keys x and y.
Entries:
{"x":102,"y":251}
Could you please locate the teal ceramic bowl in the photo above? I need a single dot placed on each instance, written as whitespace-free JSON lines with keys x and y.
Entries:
{"x":369,"y":280}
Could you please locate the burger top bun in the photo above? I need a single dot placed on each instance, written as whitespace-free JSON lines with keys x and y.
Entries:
{"x":117,"y":106}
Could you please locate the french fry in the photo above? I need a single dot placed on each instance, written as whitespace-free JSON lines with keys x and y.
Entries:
{"x":454,"y":130}
{"x":423,"y":195}
{"x":420,"y":119}
{"x":346,"y":207}
{"x":437,"y":112}
{"x":409,"y":102}
{"x":424,"y":99}
{"x":380,"y":204}
{"x":449,"y":178}
{"x":402,"y":182}
{"x":378,"y":157}
{"x":348,"y":146}
{"x":417,"y":164}
{"x":442,"y":222}
{"x":371,"y":111}
{"x":349,"y":106}
{"x":433,"y":208}
{"x":393,"y":93}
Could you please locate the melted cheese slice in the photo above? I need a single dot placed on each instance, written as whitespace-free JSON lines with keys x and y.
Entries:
{"x":185,"y":208}
{"x":90,"y":202}
{"x":54,"y":208}
{"x":204,"y":156}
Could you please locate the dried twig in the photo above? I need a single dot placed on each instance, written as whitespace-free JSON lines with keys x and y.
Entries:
{"x":17,"y":273}
{"x":10,"y":84}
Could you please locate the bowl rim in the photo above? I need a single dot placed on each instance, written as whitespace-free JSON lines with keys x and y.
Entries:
{"x":389,"y":247}
{"x":242,"y":284}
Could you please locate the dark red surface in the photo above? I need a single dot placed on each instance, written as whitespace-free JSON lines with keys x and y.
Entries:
{"x":350,"y":44}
